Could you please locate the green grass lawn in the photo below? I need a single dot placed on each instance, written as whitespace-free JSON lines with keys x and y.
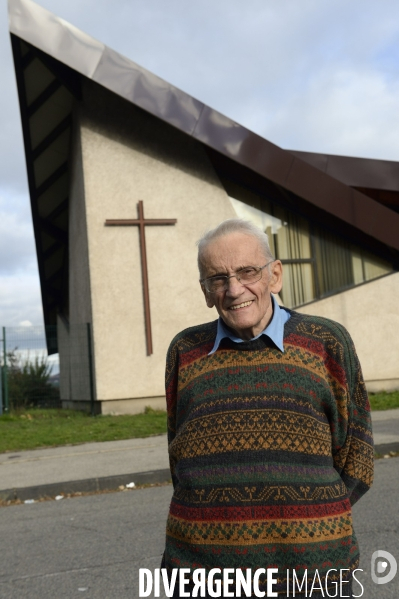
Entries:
{"x":384,"y":401}
{"x":47,"y":428}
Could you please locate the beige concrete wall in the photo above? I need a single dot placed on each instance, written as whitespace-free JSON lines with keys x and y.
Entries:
{"x":370,"y":313}
{"x":132,"y":406}
{"x":129,"y":156}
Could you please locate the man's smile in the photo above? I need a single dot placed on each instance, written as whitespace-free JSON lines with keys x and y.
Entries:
{"x":242,"y":305}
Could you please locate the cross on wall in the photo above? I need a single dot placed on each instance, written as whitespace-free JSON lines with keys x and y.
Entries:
{"x":141,"y":222}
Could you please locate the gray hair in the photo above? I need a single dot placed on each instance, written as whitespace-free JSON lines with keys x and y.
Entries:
{"x":234,"y":225}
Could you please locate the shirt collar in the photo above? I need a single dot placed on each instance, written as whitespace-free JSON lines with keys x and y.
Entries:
{"x":274,"y":330}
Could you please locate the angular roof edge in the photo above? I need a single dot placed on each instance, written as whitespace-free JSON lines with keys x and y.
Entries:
{"x":354,"y":171}
{"x":94,"y":60}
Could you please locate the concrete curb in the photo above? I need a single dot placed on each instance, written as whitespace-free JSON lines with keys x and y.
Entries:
{"x":384,"y":448}
{"x":88,"y":485}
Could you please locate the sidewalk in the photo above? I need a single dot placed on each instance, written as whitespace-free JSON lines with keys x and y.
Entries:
{"x":83,"y":468}
{"x":100,"y":466}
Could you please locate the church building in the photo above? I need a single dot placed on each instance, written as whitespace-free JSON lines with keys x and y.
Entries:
{"x":126,"y":172}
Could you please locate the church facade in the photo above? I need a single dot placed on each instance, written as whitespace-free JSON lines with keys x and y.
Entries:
{"x":126,"y":172}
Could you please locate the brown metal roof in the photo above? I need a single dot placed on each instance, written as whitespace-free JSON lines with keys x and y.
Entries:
{"x":356,"y":172}
{"x":51,"y":55}
{"x":378,"y":179}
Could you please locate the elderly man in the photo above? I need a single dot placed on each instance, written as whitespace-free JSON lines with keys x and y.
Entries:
{"x":269,"y":433}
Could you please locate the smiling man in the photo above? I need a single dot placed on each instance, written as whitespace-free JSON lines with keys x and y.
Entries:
{"x":269,"y":432}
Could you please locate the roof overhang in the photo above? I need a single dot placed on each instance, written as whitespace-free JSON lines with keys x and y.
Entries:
{"x":51,"y":56}
{"x":378,"y":179}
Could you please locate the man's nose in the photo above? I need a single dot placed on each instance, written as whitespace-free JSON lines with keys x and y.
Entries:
{"x":234,"y":287}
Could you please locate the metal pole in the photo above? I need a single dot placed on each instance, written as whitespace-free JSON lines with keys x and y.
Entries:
{"x":6,"y":405}
{"x":90,"y":369}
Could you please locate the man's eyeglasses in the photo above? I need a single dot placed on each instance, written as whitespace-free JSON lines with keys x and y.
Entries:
{"x":246,"y":276}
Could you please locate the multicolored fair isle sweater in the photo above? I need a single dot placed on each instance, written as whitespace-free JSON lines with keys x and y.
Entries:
{"x":268,"y":450}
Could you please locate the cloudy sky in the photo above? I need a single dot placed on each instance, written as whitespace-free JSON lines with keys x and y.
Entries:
{"x":317,"y":75}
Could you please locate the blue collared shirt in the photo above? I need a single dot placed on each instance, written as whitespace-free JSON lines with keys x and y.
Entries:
{"x":274,"y":330}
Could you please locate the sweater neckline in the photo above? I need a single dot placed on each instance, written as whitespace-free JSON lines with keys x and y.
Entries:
{"x":263,"y":341}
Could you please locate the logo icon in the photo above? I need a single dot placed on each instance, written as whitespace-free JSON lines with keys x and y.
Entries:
{"x":379,"y":564}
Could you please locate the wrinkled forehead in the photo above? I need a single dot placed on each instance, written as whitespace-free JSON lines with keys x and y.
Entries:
{"x":231,"y":252}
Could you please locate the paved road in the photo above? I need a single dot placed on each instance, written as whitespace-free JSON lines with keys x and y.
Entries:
{"x":94,"y":546}
{"x":376,"y":519}
{"x":50,"y":550}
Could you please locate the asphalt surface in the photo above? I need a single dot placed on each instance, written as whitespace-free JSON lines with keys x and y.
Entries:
{"x":94,"y":546}
{"x":82,"y":547}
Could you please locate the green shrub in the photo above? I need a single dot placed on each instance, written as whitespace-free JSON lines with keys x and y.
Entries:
{"x":29,"y":382}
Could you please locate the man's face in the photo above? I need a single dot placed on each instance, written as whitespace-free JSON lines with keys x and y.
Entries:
{"x":247,"y":309}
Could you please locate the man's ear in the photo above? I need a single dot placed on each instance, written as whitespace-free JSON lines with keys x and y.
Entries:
{"x":276,"y":276}
{"x":208,"y":297}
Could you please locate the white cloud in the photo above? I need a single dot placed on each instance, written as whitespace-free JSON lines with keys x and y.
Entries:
{"x":341,"y":112}
{"x":17,"y":248}
{"x":20,"y":299}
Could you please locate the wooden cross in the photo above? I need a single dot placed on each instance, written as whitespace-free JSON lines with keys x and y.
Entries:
{"x":141,"y":222}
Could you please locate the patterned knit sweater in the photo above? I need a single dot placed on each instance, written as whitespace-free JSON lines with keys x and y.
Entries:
{"x":268,"y":450}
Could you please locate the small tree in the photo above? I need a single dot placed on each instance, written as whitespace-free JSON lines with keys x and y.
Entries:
{"x":29,"y":381}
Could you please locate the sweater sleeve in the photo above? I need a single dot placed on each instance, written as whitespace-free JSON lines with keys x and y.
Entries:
{"x":354,"y":460}
{"x":171,"y":380}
